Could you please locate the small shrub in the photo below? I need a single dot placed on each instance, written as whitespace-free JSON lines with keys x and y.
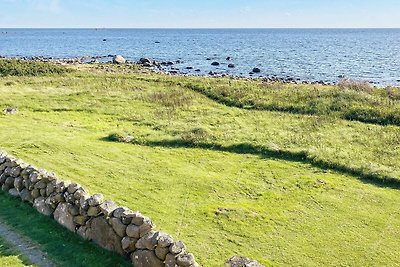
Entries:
{"x":9,"y":83}
{"x":196,"y":135}
{"x":393,"y":92}
{"x":354,"y":85}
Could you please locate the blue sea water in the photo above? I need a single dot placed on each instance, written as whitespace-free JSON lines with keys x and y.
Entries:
{"x":306,"y":54}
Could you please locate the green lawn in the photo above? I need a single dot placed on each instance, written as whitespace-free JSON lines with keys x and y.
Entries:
{"x":283,"y":188}
{"x":10,"y":257}
{"x":62,"y":247}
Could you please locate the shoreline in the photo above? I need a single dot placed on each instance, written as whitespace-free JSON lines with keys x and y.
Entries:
{"x":171,"y":68}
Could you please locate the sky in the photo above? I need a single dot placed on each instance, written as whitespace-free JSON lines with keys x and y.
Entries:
{"x":200,"y":14}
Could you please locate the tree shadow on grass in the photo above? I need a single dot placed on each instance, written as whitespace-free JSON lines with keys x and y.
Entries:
{"x":266,"y":153}
{"x":63,"y":247}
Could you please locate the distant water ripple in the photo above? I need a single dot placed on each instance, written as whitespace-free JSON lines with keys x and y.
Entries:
{"x":305,"y":54}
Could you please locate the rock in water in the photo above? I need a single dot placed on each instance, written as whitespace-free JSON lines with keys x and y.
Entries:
{"x":118,"y":59}
{"x":215,"y":63}
{"x":256,"y":70}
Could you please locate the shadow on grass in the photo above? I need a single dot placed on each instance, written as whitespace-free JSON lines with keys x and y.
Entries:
{"x":364,"y":115}
{"x":63,"y":247}
{"x":263,"y":152}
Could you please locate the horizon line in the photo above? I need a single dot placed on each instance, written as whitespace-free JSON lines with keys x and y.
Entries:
{"x":204,"y":28}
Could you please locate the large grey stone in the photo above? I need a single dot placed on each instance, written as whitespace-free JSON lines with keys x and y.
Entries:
{"x":79,"y":193}
{"x":34,"y":177}
{"x":118,"y":59}
{"x":93,"y":211}
{"x":239,"y":261}
{"x":102,"y":233}
{"x":118,"y":226}
{"x":170,"y":260}
{"x":14,"y":192}
{"x":146,"y":227}
{"x":64,"y":217}
{"x":96,"y":200}
{"x":137,"y":218}
{"x":9,"y":181}
{"x":50,"y":188}
{"x":41,"y":184}
{"x":61,"y":186}
{"x":15,"y":171}
{"x":73,"y":187}
{"x":185,"y":259}
{"x":108,"y":207}
{"x":40,"y":205}
{"x":35,"y":193}
{"x":26,"y":195}
{"x":73,"y":210}
{"x":133,"y":230}
{"x":54,"y":199}
{"x":80,"y":219}
{"x":164,"y":240}
{"x":119,"y":211}
{"x":145,"y":258}
{"x":161,"y":253}
{"x":148,"y":241}
{"x":177,"y":247}
{"x":128,"y":244}
{"x":18,"y":183}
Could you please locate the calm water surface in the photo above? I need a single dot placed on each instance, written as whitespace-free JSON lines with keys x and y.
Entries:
{"x":307,"y":54}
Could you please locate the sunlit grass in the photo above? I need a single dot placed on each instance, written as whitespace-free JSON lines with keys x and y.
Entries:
{"x":188,"y":164}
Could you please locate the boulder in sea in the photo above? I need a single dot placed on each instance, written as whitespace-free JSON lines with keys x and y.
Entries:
{"x":256,"y":70}
{"x":228,"y":58}
{"x":147,"y":62}
{"x":231,"y":66}
{"x":118,"y":59}
{"x":215,"y":63}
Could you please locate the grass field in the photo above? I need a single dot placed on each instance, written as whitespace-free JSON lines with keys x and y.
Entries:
{"x":282,"y":186}
{"x":63,"y":248}
{"x":10,"y":257}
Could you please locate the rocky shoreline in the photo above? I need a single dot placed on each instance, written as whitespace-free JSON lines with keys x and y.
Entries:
{"x":177,"y":68}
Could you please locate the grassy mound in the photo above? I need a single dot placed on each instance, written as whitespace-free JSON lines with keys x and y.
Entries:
{"x":349,"y":100}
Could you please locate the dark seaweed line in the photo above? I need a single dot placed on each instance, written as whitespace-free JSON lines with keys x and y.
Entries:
{"x":245,"y":148}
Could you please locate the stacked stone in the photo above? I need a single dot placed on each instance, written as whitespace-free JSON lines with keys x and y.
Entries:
{"x":112,"y":227}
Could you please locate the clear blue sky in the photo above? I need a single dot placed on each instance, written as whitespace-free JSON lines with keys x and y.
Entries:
{"x":200,"y":14}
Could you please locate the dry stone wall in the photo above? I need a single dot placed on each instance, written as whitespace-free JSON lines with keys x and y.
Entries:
{"x":112,"y":227}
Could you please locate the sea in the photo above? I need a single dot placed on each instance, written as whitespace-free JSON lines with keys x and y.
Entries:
{"x":326,"y":55}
